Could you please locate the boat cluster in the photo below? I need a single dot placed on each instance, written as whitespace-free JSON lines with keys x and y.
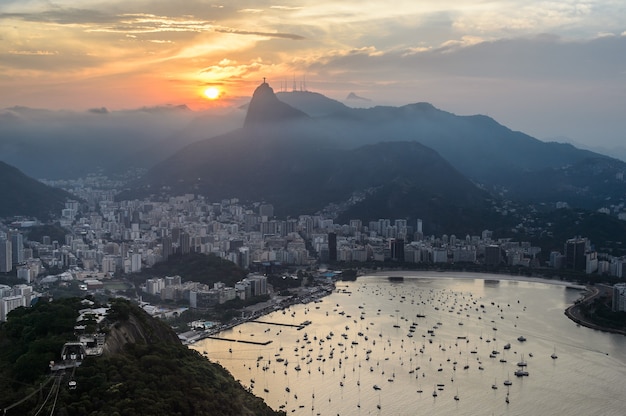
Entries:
{"x":368,"y":348}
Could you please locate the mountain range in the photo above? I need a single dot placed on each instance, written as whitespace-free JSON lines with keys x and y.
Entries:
{"x":302,"y":151}
{"x":485,"y":151}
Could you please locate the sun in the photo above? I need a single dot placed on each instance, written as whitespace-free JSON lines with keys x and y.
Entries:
{"x":212,"y":93}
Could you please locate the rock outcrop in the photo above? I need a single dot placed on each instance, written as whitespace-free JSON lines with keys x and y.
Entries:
{"x":139,"y":328}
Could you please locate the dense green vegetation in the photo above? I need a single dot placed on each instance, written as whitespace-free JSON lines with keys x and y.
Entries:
{"x":54,"y":231}
{"x":29,"y":340}
{"x":158,"y":379}
{"x":282,"y":282}
{"x":599,"y":312}
{"x":604,"y":231}
{"x":349,"y":274}
{"x":207,"y":269}
{"x":155,"y":376}
{"x":32,"y":337}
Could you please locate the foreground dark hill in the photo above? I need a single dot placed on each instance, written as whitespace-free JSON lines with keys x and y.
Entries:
{"x":287,"y":159}
{"x":144,"y":370}
{"x":25,"y":196}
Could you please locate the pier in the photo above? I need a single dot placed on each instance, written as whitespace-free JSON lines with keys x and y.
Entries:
{"x":298,"y":326}
{"x":241,"y":340}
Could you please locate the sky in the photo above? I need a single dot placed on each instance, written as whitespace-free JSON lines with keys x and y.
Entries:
{"x":552,"y":69}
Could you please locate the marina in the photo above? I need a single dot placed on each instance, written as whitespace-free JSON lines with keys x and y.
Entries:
{"x":375,"y":345}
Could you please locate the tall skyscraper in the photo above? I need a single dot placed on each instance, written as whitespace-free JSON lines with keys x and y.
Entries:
{"x":17,"y":247}
{"x":176,"y":235}
{"x":185,"y":243}
{"x":493,"y":255}
{"x":575,"y":254}
{"x":167,"y":249}
{"x":419,"y":232}
{"x":6,"y":255}
{"x":332,"y":247}
{"x":397,"y":250}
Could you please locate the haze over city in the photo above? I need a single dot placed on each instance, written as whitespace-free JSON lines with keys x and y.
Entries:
{"x":552,"y":70}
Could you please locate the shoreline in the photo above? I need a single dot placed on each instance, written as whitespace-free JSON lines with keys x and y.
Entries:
{"x":572,"y":311}
{"x":192,"y":336}
{"x":476,"y":275}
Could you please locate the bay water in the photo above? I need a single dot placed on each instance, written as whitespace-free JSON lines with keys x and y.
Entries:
{"x":429,"y":343}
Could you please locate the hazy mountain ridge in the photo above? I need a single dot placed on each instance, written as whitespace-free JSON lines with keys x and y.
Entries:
{"x":304,"y":174}
{"x":282,"y":143}
{"x":291,"y":151}
{"x":476,"y":145}
{"x":617,"y":152}
{"x":25,"y":196}
{"x":299,"y":167}
{"x":68,"y":144}
{"x":312,"y":103}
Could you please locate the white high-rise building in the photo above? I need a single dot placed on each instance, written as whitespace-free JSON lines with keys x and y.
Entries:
{"x":8,"y":303}
{"x":135,"y":262}
{"x":24,"y":273}
{"x":619,"y":297}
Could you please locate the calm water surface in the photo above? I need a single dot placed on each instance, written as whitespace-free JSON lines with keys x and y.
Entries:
{"x":368,"y":351}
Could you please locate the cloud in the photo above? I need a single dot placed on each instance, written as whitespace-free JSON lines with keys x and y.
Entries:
{"x":545,"y":57}
{"x":286,"y":8}
{"x":149,"y":23}
{"x":264,"y":34}
{"x":101,"y":110}
{"x":62,"y":16}
{"x":33,"y":53}
{"x":255,"y":11}
{"x":71,"y":54}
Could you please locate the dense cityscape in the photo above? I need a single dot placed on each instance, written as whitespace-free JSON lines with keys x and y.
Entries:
{"x":107,"y":239}
{"x":312,"y":208}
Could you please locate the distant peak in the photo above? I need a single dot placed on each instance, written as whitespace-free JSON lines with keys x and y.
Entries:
{"x":353,"y":96}
{"x":266,"y":107}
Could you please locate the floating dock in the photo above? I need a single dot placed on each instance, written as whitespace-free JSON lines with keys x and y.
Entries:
{"x":243,"y":341}
{"x":299,"y":326}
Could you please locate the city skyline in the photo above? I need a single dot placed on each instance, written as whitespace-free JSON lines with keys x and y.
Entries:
{"x":548,"y":69}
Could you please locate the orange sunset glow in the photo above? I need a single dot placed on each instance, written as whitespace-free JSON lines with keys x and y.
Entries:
{"x":77,"y":55}
{"x":212,"y":93}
